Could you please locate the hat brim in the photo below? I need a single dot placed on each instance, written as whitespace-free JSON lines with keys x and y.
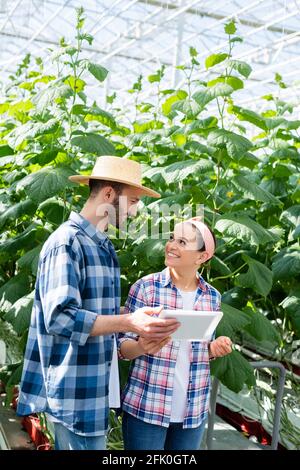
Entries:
{"x":82,"y":179}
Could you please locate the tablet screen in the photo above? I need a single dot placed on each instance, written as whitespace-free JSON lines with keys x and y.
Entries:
{"x":196,"y":325}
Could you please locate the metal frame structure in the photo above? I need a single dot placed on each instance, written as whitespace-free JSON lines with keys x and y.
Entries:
{"x":135,"y":37}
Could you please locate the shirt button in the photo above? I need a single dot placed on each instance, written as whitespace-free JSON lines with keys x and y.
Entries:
{"x":109,"y":364}
{"x":112,"y":282}
{"x":112,"y":336}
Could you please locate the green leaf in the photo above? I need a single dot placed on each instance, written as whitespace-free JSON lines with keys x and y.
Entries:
{"x":151,"y":250}
{"x":249,"y":116}
{"x":18,"y":108}
{"x":86,"y":37}
{"x":44,"y":157}
{"x":260,"y":327}
{"x":235,"y":144}
{"x":156,"y":77}
{"x":243,"y":228}
{"x":234,"y":371}
{"x":230,"y":27}
{"x":198,"y":126}
{"x":219,"y":266}
{"x":205,"y":96}
{"x":49,"y":95}
{"x":291,"y":216}
{"x":144,"y":126}
{"x":286,"y":264}
{"x":154,"y":174}
{"x":233,"y":321}
{"x":19,"y":314}
{"x":198,"y":149}
{"x":252,"y":191}
{"x":21,"y":209}
{"x":93,"y":143}
{"x":10,"y":375}
{"x":167,"y":105}
{"x":258,"y":277}
{"x":24,"y":240}
{"x":75,"y":83}
{"x":44,"y":183}
{"x":5,"y":150}
{"x":4,"y":107}
{"x":179,"y":139}
{"x":235,"y":82}
{"x":236,"y":297}
{"x":31,"y":130}
{"x":215,"y":59}
{"x":236,"y":39}
{"x":249,"y":160}
{"x":291,"y":304}
{"x":243,"y":68}
{"x":12,"y":290}
{"x":94,"y":113}
{"x":55,"y":210}
{"x":193,"y":52}
{"x":296,"y":232}
{"x":181,"y":199}
{"x":99,"y":72}
{"x":30,"y":260}
{"x":188,"y":107}
{"x":126,"y":260}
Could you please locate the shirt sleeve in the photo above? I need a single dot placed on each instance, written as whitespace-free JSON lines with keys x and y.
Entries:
{"x":136,"y":299}
{"x":61,"y":281}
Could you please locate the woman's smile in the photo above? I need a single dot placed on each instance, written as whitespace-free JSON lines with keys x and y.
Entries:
{"x":170,"y":254}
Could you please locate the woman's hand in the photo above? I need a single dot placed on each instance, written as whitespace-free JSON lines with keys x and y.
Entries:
{"x":220,"y":347}
{"x":149,"y":346}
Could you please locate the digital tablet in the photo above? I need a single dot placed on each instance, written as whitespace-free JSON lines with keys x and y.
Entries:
{"x":195,"y":325}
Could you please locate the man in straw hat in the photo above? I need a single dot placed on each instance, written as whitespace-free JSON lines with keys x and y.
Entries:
{"x":75,"y":313}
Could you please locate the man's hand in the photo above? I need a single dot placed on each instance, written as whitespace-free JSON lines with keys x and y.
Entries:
{"x":149,"y":346}
{"x":144,"y":322}
{"x":220,"y":347}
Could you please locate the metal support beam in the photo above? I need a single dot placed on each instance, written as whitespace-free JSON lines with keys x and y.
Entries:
{"x":278,"y":402}
{"x":87,"y":49}
{"x":217,"y":16}
{"x":178,"y":48}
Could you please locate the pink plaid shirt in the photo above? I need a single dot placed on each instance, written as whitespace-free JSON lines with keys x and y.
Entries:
{"x":148,"y":393}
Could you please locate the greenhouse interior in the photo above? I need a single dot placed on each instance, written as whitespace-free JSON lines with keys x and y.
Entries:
{"x":150,"y":225}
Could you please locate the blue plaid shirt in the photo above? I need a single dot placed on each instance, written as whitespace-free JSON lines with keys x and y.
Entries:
{"x":66,"y":371}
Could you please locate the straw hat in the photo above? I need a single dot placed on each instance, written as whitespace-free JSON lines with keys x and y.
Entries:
{"x":119,"y":170}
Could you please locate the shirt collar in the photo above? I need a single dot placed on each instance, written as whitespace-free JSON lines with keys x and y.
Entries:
{"x":167,"y":280}
{"x":89,"y":228}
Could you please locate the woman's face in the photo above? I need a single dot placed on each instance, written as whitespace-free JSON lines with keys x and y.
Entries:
{"x":182,"y":249}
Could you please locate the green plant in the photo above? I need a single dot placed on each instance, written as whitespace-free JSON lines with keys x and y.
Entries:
{"x":193,"y":149}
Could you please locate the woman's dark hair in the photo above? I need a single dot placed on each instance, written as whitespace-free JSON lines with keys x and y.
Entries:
{"x":97,"y":185}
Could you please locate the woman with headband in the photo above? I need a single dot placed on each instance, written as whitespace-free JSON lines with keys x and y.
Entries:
{"x":165,"y":401}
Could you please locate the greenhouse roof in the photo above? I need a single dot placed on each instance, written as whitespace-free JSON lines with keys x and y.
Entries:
{"x":133,"y":37}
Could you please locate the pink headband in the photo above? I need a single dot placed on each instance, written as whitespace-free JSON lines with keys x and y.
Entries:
{"x":206,"y":235}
